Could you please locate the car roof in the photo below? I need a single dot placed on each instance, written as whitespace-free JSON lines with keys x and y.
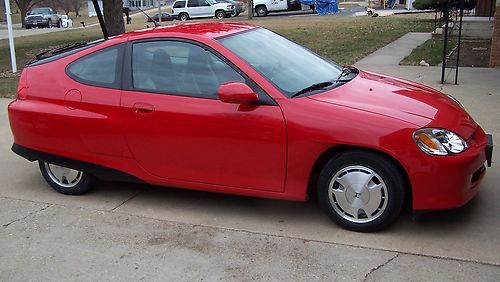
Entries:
{"x":205,"y":29}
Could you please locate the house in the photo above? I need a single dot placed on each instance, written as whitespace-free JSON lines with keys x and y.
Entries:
{"x":132,"y":4}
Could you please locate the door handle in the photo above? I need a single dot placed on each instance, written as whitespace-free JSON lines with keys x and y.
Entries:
{"x":143,"y":108}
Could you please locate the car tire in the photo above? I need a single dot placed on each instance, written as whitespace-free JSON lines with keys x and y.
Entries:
{"x":220,"y":14}
{"x":59,"y":24}
{"x":361,"y":191}
{"x":261,"y":11}
{"x":65,"y":180}
{"x":49,"y":23}
{"x":183,"y":17}
{"x":28,"y":26}
{"x":235,"y":13}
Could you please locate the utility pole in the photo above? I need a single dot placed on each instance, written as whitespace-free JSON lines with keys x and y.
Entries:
{"x":159,"y":11}
{"x":250,"y":9}
{"x":11,"y":37}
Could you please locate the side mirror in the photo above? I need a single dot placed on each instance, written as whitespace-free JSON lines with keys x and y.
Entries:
{"x":236,"y":93}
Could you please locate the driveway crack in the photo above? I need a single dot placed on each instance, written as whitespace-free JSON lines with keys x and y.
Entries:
{"x":26,"y":216}
{"x":380,"y":266}
{"x":124,"y":202}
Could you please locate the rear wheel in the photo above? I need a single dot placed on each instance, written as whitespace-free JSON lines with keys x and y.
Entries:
{"x":361,"y":191}
{"x":28,"y":26}
{"x":220,"y":14}
{"x":183,"y":17}
{"x":66,"y":180}
{"x":261,"y":11}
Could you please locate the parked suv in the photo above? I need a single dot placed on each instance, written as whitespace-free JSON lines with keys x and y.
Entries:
{"x":186,"y":9}
{"x":42,"y":17}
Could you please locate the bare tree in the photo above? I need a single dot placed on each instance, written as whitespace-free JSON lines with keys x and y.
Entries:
{"x":113,"y":16}
{"x":24,"y":6}
{"x":64,"y":5}
{"x":76,"y":5}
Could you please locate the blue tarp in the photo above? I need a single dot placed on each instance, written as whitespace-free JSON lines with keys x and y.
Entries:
{"x":323,"y":7}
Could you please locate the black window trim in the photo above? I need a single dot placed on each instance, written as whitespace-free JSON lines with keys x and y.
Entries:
{"x":127,"y":79}
{"x":117,"y":84}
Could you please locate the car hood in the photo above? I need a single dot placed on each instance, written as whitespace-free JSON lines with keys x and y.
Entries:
{"x":400,"y":99}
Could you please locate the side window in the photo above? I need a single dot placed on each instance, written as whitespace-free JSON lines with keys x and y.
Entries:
{"x":179,"y":68}
{"x":102,"y":68}
{"x":179,"y":4}
{"x":203,"y":3}
{"x":193,"y":3}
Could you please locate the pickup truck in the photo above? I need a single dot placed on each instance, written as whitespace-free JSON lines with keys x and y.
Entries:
{"x":42,"y":17}
{"x":263,"y":7}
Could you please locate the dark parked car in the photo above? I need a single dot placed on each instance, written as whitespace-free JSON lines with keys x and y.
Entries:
{"x":42,"y":17}
{"x":165,"y":17}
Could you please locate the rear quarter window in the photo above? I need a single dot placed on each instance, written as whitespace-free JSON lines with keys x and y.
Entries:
{"x":101,"y":68}
{"x":179,"y":4}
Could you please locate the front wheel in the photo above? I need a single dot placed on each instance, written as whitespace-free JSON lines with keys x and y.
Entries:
{"x":220,"y":15}
{"x":361,"y":191}
{"x":235,"y":13}
{"x":49,"y":24}
{"x":66,"y":180}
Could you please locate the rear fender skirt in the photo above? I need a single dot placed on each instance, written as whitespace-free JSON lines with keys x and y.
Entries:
{"x":101,"y":172}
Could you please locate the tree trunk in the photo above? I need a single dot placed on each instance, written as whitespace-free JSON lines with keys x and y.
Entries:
{"x":113,"y":16}
{"x":23,"y":11}
{"x":250,"y":9}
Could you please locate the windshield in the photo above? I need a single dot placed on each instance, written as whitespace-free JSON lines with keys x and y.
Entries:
{"x":43,"y":11}
{"x":287,"y":65}
{"x":212,"y":2}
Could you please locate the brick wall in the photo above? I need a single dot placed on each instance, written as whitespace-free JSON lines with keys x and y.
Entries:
{"x":495,"y":40}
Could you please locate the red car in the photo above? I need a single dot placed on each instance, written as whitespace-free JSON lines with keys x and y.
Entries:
{"x":238,"y":109}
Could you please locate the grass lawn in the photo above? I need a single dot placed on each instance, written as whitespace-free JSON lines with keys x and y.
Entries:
{"x":431,"y":51}
{"x":342,"y":39}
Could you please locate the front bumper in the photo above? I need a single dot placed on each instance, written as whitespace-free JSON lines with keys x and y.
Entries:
{"x":445,"y":182}
{"x":37,"y":23}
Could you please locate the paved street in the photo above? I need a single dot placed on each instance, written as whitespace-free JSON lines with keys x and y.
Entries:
{"x":133,"y":232}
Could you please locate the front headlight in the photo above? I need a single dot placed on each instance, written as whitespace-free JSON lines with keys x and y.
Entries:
{"x":436,"y":141}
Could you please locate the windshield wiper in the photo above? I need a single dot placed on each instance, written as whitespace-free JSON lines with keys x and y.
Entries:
{"x":316,"y":86}
{"x":345,"y":72}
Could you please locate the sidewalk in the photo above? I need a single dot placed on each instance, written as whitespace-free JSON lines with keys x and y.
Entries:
{"x":396,"y":51}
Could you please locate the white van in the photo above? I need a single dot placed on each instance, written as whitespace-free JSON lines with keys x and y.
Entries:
{"x":187,"y":9}
{"x":263,"y":7}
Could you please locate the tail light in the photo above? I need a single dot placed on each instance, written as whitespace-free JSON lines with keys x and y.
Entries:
{"x":22,"y":87}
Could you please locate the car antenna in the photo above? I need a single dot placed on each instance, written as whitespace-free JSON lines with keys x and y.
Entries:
{"x":154,"y":22}
{"x":101,"y":19}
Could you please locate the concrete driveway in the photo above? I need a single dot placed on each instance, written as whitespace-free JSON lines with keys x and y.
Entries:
{"x":133,"y":232}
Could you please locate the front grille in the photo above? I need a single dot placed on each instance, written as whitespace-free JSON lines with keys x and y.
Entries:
{"x":35,"y":18}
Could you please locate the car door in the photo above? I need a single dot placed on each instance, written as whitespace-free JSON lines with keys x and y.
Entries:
{"x":278,"y":5}
{"x":194,"y":9}
{"x":177,"y":128}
